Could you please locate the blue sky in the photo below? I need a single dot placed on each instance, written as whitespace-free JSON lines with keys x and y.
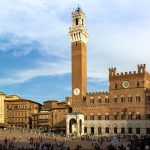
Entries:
{"x":35,"y":53}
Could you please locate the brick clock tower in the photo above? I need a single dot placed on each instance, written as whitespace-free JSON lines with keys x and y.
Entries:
{"x":78,"y":35}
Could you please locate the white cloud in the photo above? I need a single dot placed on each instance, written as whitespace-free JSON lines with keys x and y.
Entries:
{"x":43,"y":69}
{"x":119,"y":33}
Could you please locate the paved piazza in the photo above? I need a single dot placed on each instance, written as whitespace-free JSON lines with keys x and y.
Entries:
{"x":23,"y":140}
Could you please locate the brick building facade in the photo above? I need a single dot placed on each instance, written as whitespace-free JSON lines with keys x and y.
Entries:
{"x":19,"y":113}
{"x":52,"y":117}
{"x":124,"y":109}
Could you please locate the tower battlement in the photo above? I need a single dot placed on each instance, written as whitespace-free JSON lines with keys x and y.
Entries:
{"x":112,"y":71}
{"x":97,"y":93}
{"x":141,"y":70}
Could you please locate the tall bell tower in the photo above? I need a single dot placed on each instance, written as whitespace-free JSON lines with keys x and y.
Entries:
{"x":78,"y":35}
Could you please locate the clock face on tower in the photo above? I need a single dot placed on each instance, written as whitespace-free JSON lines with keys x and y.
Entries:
{"x":125,"y":84}
{"x":76,"y":91}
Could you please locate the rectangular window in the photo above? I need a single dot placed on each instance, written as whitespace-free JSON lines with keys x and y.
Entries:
{"x":99,"y":117}
{"x":84,"y":99}
{"x":130,"y":130}
{"x":147,"y":131}
{"x":99,"y":100}
{"x":137,"y":130}
{"x":129,"y":116}
{"x":85,"y":117}
{"x":99,"y":130}
{"x":92,"y":101}
{"x":130,"y":99}
{"x":122,"y":99}
{"x":106,"y":117}
{"x":116,"y":86}
{"x":115,"y":100}
{"x":122,"y":130}
{"x":147,"y":98}
{"x":85,"y":129}
{"x":138,"y":99}
{"x":115,"y":130}
{"x":147,"y":116}
{"x":115,"y":117}
{"x":138,"y":84}
{"x":91,"y":117}
{"x":138,"y":116}
{"x":106,"y":130}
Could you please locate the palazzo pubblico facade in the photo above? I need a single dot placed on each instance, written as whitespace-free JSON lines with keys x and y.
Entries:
{"x":124,"y":109}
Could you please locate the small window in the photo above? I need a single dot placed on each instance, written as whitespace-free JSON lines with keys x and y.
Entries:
{"x":115,"y":130}
{"x":130,"y":99}
{"x":138,"y":116}
{"x":92,"y":130}
{"x":137,"y":130}
{"x":85,"y":129}
{"x":122,"y":130}
{"x":147,"y":130}
{"x":122,"y":99}
{"x":147,"y":98}
{"x":138,"y":84}
{"x":107,"y":117}
{"x":92,"y":100}
{"x":99,"y":117}
{"x":115,"y":116}
{"x":130,"y":116}
{"x":148,"y":116}
{"x":129,"y":130}
{"x":106,"y":100}
{"x":76,"y":21}
{"x":106,"y":130}
{"x":138,"y":98}
{"x":123,"y":116}
{"x":99,"y":130}
{"x":115,"y":100}
{"x":116,"y":86}
{"x":91,"y":117}
{"x":99,"y":100}
{"x":84,"y":98}
{"x":85,"y":117}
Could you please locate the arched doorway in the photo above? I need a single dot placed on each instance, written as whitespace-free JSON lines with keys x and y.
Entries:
{"x":99,"y":130}
{"x":92,"y":130}
{"x":80,"y":126}
{"x":73,"y":126}
{"x":85,"y":129}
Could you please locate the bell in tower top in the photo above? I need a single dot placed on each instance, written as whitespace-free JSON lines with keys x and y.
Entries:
{"x":78,"y":9}
{"x":78,"y":17}
{"x":78,"y":31}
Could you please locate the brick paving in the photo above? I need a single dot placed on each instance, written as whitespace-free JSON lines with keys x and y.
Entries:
{"x":22,"y":140}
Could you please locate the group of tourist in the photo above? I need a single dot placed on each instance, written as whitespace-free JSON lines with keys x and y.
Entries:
{"x":38,"y":142}
{"x":142,"y":143}
{"x":9,"y":144}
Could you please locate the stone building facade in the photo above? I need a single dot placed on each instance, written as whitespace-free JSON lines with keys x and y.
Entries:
{"x":3,"y":98}
{"x":19,"y":113}
{"x":124,"y":109}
